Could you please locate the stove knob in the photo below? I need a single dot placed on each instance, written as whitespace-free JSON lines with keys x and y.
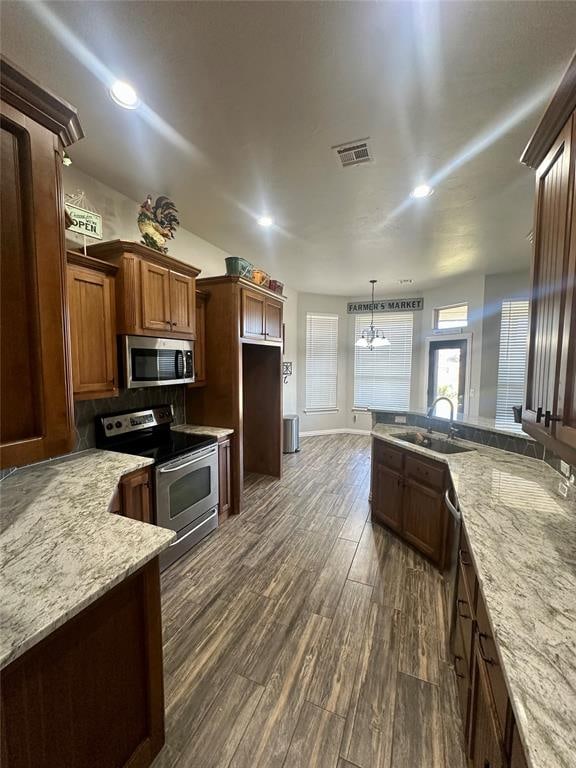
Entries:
{"x":118,"y":424}
{"x":109,"y":425}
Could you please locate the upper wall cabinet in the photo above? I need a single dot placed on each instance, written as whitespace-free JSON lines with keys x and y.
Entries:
{"x":155,"y":294}
{"x":36,"y":410}
{"x":261,"y":316}
{"x":550,"y":403}
{"x":91,"y":303}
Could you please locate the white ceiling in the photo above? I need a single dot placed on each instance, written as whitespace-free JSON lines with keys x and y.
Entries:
{"x":245,"y":100}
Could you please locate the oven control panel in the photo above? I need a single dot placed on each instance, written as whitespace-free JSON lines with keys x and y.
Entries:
{"x":124,"y":423}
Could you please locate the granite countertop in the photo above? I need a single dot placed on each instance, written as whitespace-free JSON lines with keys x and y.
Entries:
{"x":522,"y":533}
{"x":60,"y":547}
{"x":478,"y":422}
{"x":219,"y":432}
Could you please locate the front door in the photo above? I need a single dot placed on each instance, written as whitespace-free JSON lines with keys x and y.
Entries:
{"x":447,"y":374}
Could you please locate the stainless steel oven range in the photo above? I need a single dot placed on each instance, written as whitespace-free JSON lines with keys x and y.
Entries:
{"x":185,"y":471}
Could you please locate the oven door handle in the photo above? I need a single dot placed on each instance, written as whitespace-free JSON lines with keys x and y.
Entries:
{"x":211,"y":452}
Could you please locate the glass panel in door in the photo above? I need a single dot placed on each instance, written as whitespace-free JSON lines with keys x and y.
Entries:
{"x":447,"y":375}
{"x":189,"y":490}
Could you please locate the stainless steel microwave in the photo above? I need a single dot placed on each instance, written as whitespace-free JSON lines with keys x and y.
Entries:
{"x":151,"y":362}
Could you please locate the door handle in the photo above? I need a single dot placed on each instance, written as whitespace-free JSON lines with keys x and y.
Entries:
{"x":548,"y":417}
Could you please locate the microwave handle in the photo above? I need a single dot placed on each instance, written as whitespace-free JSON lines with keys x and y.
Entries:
{"x":179,"y":360}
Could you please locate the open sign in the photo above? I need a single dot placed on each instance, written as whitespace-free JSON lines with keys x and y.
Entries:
{"x":85,"y":222}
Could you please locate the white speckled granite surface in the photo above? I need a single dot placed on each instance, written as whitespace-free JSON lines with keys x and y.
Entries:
{"x":219,"y":432}
{"x":60,"y":547}
{"x":523,"y":538}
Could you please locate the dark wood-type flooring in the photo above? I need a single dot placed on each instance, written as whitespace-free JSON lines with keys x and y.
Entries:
{"x":300,"y":635}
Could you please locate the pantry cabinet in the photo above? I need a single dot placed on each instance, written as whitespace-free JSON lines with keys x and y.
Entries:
{"x":36,"y":409}
{"x":408,"y":497}
{"x":549,"y":413}
{"x":155,"y":294}
{"x":92,"y":313}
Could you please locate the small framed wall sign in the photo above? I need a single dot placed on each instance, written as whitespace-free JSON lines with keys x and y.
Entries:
{"x":84,"y":222}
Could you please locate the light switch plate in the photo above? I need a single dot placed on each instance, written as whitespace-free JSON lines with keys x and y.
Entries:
{"x":399,"y":419}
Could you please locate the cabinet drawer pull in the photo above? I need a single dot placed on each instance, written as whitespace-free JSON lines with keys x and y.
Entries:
{"x":488,"y":659}
{"x":456,"y":660}
{"x":462,"y":556}
{"x":463,"y":615}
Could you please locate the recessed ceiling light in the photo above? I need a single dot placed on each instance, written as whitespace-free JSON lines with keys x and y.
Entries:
{"x":265,"y":221}
{"x":422,"y":190}
{"x":124,"y":94}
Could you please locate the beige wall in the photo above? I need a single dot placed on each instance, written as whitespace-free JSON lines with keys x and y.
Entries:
{"x":119,"y":215}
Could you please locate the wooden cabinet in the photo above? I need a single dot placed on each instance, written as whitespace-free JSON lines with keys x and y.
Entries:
{"x":91,"y":693}
{"x":387,"y":489}
{"x":424,"y":519}
{"x":485,"y":739}
{"x":200,"y":345}
{"x":261,"y":316}
{"x":485,"y":706}
{"x":408,"y":497}
{"x":549,"y":413}
{"x":91,"y":304}
{"x":253,"y":314}
{"x":133,"y":498}
{"x":224,"y":484}
{"x":155,"y":297}
{"x":36,"y":409}
{"x":155,"y":294}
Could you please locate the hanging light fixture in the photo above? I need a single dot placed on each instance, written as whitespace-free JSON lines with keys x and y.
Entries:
{"x":372,"y":337}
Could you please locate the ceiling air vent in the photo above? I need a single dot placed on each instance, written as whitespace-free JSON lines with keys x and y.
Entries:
{"x":353,"y":153}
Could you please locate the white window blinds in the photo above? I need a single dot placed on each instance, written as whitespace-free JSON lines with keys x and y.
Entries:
{"x":321,"y":362}
{"x":382,"y":375}
{"x":511,"y":361}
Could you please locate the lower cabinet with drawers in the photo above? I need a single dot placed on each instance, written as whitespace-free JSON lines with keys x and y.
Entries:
{"x":490,"y":732}
{"x":408,"y":493}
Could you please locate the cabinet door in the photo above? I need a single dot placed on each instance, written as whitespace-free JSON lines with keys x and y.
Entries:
{"x":517,"y":756}
{"x":253,"y":314}
{"x":462,"y":671}
{"x":485,"y":744}
{"x":424,"y":519}
{"x":548,"y":280}
{"x":224,"y":478}
{"x":183,"y":304}
{"x":92,"y":333}
{"x":565,"y":430}
{"x":155,"y":297}
{"x":387,"y":491}
{"x":36,"y":409}
{"x":200,"y":346}
{"x":273,"y":320}
{"x":135,"y":496}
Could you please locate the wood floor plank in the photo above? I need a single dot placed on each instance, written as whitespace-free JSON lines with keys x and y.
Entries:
{"x":223,"y":727}
{"x":316,"y":741}
{"x":268,"y":735}
{"x":418,"y":737}
{"x":326,"y":593}
{"x":240,"y":615}
{"x":333,"y":680}
{"x":419,"y":638}
{"x":369,"y":728}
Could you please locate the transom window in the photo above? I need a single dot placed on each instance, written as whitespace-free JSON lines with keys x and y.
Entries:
{"x":451,"y":317}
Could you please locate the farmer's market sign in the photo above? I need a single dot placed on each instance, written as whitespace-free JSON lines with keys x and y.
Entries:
{"x":85,"y":222}
{"x":385,"y":305}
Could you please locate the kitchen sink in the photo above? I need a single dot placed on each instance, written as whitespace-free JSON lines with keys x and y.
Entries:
{"x":438,"y":444}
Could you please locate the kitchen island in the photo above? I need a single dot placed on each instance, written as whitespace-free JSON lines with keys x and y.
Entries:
{"x":81,"y":638}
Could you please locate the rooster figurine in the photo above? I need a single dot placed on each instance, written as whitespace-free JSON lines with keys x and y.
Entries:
{"x":157,"y":222}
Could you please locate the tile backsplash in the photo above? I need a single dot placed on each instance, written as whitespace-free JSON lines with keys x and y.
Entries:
{"x":87,"y":410}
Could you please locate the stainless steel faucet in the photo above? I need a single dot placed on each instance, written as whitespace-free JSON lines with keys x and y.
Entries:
{"x":452,"y":431}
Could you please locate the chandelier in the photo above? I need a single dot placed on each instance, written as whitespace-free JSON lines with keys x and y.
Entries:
{"x":372,"y":337}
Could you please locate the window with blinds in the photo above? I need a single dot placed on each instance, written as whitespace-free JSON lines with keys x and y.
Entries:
{"x":382,"y":375}
{"x":321,"y":362}
{"x":451,"y":317}
{"x":511,"y":362}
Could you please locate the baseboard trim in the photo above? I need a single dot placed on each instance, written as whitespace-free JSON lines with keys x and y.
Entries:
{"x":319,"y":432}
